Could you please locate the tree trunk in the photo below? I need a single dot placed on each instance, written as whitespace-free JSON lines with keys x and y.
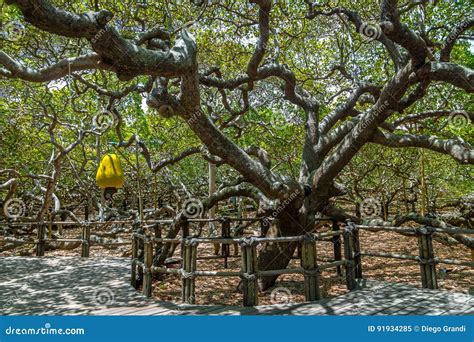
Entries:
{"x":274,"y":256}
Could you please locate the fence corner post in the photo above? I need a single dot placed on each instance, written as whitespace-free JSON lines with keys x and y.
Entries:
{"x":249,"y":271}
{"x":427,"y":258}
{"x":188,"y":269}
{"x":336,"y":240}
{"x":310,"y":265}
{"x":133,"y":276}
{"x":40,"y":246}
{"x":148,"y":262}
{"x":349,"y":256}
{"x":356,"y":249}
{"x":86,"y":237}
{"x":225,"y":250}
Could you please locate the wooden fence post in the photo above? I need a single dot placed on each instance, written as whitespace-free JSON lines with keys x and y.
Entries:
{"x":336,"y":240}
{"x":264,"y":226}
{"x":188,"y":276}
{"x":148,"y":262}
{"x":427,"y":258}
{"x":86,"y":237}
{"x":225,"y":234}
{"x":349,"y":256}
{"x":185,"y":233}
{"x":138,"y":229}
{"x":40,"y":246}
{"x":158,"y":235}
{"x":133,"y":277}
{"x":310,"y":265}
{"x":356,"y":249}
{"x":249,"y":271}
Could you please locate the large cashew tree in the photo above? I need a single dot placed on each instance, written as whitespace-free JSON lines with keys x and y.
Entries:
{"x":356,"y":73}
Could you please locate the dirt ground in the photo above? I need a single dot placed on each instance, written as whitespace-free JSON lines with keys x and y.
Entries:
{"x":290,"y":288}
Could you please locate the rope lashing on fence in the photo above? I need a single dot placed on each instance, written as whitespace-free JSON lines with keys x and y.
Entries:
{"x":309,"y":238}
{"x":223,"y":219}
{"x":347,"y":231}
{"x":187,"y":275}
{"x":312,"y":272}
{"x":424,"y":230}
{"x":248,"y":276}
{"x":423,"y":261}
{"x":350,"y":228}
{"x":249,"y":241}
{"x":190,"y":241}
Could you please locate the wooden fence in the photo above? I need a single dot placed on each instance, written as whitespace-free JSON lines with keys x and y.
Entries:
{"x":347,"y":253}
{"x":426,"y":257}
{"x":249,"y":272}
{"x":85,"y":241}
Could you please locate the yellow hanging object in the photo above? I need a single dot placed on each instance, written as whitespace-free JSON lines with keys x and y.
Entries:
{"x":109,"y":173}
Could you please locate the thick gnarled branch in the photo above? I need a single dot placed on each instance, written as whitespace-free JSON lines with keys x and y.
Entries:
{"x":459,"y":151}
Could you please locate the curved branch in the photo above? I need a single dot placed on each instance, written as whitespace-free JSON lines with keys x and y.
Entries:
{"x":455,"y":74}
{"x":345,"y":109}
{"x":261,"y":155}
{"x":445,"y":54}
{"x":355,"y":18}
{"x":128,"y":59}
{"x":14,"y":69}
{"x":430,"y":114}
{"x":461,"y":152}
{"x":400,"y":33}
{"x":264,"y":27}
{"x":269,"y":70}
{"x":361,"y":133}
{"x":155,"y":167}
{"x":239,"y":190}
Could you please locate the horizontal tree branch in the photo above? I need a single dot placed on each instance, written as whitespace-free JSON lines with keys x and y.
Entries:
{"x":458,"y":150}
{"x":455,"y":74}
{"x":14,"y":69}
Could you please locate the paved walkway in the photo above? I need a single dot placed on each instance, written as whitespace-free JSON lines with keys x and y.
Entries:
{"x":100,"y":286}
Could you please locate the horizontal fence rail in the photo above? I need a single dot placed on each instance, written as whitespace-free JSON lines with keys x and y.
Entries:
{"x":86,"y":243}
